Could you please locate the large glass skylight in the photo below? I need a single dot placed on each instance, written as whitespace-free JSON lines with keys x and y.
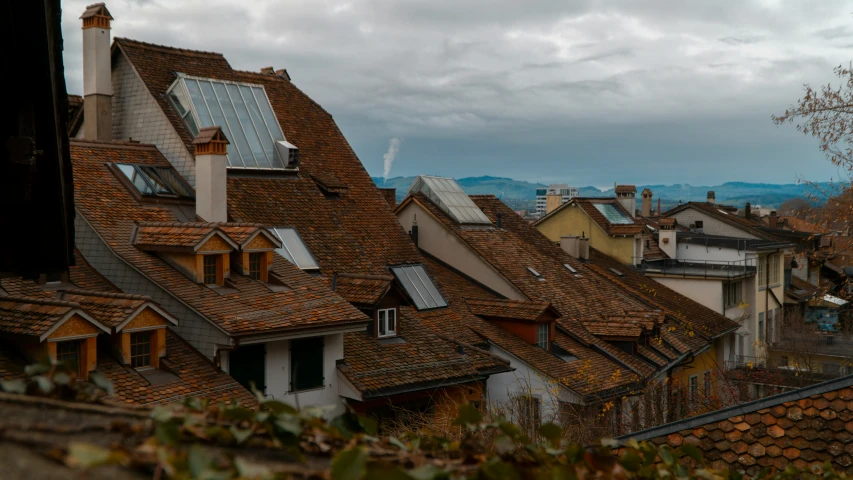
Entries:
{"x":450,"y":198}
{"x":293,"y":249}
{"x":613,"y":214}
{"x":419,"y":286}
{"x":242,"y":110}
{"x":155,"y":181}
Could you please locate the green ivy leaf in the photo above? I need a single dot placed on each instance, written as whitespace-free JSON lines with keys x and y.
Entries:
{"x":610,"y":442}
{"x":239,"y":414}
{"x":504,"y":445}
{"x":278,"y":407}
{"x":102,"y":382}
{"x":289,"y":424}
{"x":14,"y":386}
{"x":468,"y":415}
{"x":574,"y":453}
{"x":497,"y":469}
{"x":240,"y":434}
{"x":631,"y":460}
{"x":198,"y":461}
{"x":693,"y":452}
{"x":350,"y":464}
{"x":386,"y":472}
{"x":45,"y":384}
{"x":88,"y":456}
{"x":551,"y":432}
{"x":368,"y":425}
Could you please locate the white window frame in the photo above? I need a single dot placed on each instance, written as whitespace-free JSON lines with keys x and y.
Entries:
{"x":382,"y":316}
{"x":543,"y":329}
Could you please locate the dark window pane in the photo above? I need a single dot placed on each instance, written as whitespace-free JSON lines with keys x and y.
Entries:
{"x":255,"y":266}
{"x":306,"y":363}
{"x":136,"y":178}
{"x":210,"y":269}
{"x":169,"y":179}
{"x":140,"y":349}
{"x":68,"y":353}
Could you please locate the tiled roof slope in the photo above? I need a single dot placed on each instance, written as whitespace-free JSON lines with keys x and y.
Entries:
{"x":365,"y":290}
{"x":804,"y":427}
{"x":355,"y":233}
{"x":350,"y":242}
{"x":111,"y":309}
{"x":33,"y":316}
{"x":688,"y":315}
{"x":111,"y":210}
{"x":594,"y":374}
{"x":588,"y":205}
{"x":513,"y":309}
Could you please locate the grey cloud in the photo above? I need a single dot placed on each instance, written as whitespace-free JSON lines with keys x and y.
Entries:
{"x":571,"y":90}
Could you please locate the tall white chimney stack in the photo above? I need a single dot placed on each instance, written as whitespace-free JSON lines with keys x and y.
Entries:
{"x":211,"y":198}
{"x":97,"y":81}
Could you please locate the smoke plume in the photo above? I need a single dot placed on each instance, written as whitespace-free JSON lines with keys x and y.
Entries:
{"x":390,"y":155}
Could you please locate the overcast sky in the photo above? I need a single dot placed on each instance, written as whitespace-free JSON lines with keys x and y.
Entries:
{"x":580,"y":91}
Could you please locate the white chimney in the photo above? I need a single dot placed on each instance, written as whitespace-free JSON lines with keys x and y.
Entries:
{"x":211,"y":198}
{"x":97,"y":74}
{"x":626,"y":195}
{"x":667,"y":237}
{"x":583,"y":248}
{"x":712,"y":197}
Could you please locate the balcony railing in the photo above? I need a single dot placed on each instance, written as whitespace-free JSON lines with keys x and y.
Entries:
{"x":785,"y":372}
{"x":701,"y":268}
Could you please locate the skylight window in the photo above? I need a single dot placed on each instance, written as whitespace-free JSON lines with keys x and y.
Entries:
{"x":244,"y":113}
{"x":617,"y":272}
{"x":155,"y":181}
{"x":536,"y":274}
{"x":293,"y":249}
{"x":419,"y":286}
{"x":613,"y":214}
{"x":570,"y":268}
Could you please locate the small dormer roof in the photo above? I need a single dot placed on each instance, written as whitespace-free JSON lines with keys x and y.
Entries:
{"x":178,"y":236}
{"x":96,"y":10}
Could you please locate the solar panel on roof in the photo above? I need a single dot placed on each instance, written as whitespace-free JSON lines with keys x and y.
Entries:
{"x":419,"y":286}
{"x":450,"y":198}
{"x":613,"y":214}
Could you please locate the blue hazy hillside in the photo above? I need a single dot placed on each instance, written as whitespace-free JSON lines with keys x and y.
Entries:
{"x":515,"y":191}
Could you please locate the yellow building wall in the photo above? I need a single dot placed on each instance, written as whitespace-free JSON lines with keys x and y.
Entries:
{"x":704,"y":362}
{"x":574,"y":221}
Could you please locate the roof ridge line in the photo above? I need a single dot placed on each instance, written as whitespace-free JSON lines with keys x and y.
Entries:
{"x":167,"y":47}
{"x":114,"y":143}
{"x":40,"y":301}
{"x":95,"y":293}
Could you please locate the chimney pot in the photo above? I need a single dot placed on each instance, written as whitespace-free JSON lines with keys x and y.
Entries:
{"x":712,"y":197}
{"x":500,"y":220}
{"x":747,"y":211}
{"x":774,"y":220}
{"x":97,"y":74}
{"x":211,"y":202}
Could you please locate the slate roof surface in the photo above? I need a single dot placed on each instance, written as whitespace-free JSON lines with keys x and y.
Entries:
{"x":363,"y":289}
{"x":354,"y":233}
{"x":588,"y":205}
{"x":804,"y":427}
{"x":111,"y":210}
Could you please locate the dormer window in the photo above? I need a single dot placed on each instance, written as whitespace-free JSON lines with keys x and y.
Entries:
{"x":68,"y":352}
{"x":155,"y":181}
{"x":255,"y":261}
{"x":542,"y":335}
{"x":211,"y":270}
{"x":387,"y":322}
{"x":140,"y":349}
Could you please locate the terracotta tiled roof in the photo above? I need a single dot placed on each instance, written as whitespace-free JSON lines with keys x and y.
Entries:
{"x":588,"y":205}
{"x":685,"y":314}
{"x":355,"y":232}
{"x":362,"y":289}
{"x":12,"y":365}
{"x":111,"y":210}
{"x":803,"y":428}
{"x":243,"y":233}
{"x":111,"y":309}
{"x":667,"y":222}
{"x":625,"y":189}
{"x":512,"y":309}
{"x":194,"y":376}
{"x":33,"y":316}
{"x":206,"y":134}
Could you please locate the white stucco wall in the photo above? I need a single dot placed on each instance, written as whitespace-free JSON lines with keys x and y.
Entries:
{"x":278,"y":375}
{"x":525,"y":380}
{"x":710,"y":225}
{"x":706,"y":292}
{"x":687,"y":252}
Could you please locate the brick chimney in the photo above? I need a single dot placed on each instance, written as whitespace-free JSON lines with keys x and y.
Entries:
{"x":390,"y":195}
{"x":97,"y":74}
{"x":211,"y":198}
{"x":712,"y":197}
{"x":747,"y":211}
{"x":647,"y":203}
{"x":774,"y":220}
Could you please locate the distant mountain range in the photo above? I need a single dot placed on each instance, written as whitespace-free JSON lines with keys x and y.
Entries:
{"x":522,"y":194}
